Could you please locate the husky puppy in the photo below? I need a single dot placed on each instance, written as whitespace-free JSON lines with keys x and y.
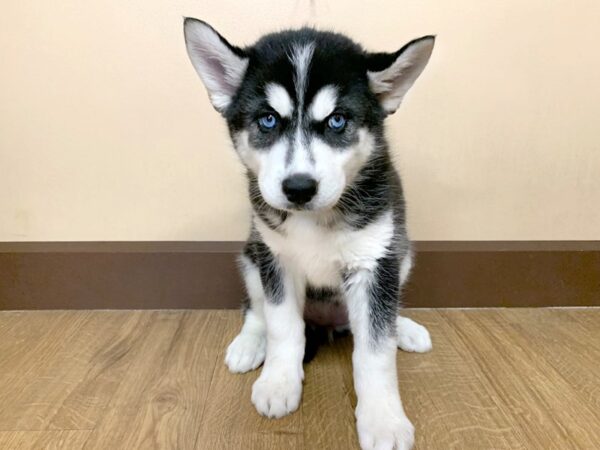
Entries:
{"x":328,"y":243}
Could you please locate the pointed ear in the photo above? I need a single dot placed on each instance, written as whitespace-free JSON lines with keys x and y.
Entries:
{"x":221,"y":66}
{"x":392,"y":74}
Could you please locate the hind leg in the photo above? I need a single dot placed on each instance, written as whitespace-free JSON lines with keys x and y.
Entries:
{"x":247,"y":351}
{"x":411,"y":337}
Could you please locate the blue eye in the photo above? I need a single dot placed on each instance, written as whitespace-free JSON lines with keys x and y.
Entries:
{"x":336,"y":122}
{"x":267,"y":122}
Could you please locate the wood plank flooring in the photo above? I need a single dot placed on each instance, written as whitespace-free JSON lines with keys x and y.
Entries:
{"x":496,"y":379}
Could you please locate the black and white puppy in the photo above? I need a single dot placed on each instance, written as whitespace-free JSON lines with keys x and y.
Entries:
{"x":328,"y":242}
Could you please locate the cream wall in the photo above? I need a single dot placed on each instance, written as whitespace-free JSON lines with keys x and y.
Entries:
{"x":107,"y":134}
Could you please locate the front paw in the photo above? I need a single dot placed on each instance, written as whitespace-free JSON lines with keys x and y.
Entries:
{"x":382,"y":429}
{"x":277,"y":392}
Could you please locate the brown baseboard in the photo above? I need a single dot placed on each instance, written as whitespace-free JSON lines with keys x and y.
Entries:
{"x":157,"y":275}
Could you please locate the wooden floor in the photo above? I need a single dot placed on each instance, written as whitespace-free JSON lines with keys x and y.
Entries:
{"x":496,"y":379}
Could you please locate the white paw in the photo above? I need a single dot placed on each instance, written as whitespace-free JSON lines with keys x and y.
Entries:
{"x":277,"y":392}
{"x":246,"y":352}
{"x":380,"y":429}
{"x":412,"y":337}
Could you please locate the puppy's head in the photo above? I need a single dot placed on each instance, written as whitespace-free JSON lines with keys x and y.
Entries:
{"x":304,"y":107}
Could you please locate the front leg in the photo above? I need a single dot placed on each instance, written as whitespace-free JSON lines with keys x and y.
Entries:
{"x":372,"y":298}
{"x":277,"y":391}
{"x":247,"y":351}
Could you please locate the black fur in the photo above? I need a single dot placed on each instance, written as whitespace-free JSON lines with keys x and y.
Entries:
{"x":336,"y":60}
{"x":321,"y":294}
{"x":269,"y":215}
{"x":271,"y":272}
{"x":384,"y":295}
{"x":376,"y":189}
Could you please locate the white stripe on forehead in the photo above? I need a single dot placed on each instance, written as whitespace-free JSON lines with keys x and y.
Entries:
{"x":323,"y":103}
{"x":300,"y":58}
{"x":279,"y":99}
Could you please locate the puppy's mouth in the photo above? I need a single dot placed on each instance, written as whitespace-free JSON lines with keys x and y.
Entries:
{"x":312,"y":206}
{"x":302,"y":207}
{"x":294,"y":207}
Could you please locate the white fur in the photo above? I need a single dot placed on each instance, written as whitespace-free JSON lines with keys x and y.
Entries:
{"x":247,"y":351}
{"x":251,"y":158}
{"x":411,"y":336}
{"x":221,"y":70}
{"x":405,"y":268}
{"x":254,"y":287}
{"x":380,"y":418}
{"x":301,"y":58}
{"x":301,"y":161}
{"x":278,"y":389}
{"x":279,"y":99}
{"x":392,"y":83}
{"x":272,"y":170}
{"x":322,"y":252}
{"x":323,"y":103}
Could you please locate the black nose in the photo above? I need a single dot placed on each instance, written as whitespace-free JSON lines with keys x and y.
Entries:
{"x":300,"y":188}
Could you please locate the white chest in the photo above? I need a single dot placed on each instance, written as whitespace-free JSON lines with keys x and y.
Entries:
{"x":323,"y":253}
